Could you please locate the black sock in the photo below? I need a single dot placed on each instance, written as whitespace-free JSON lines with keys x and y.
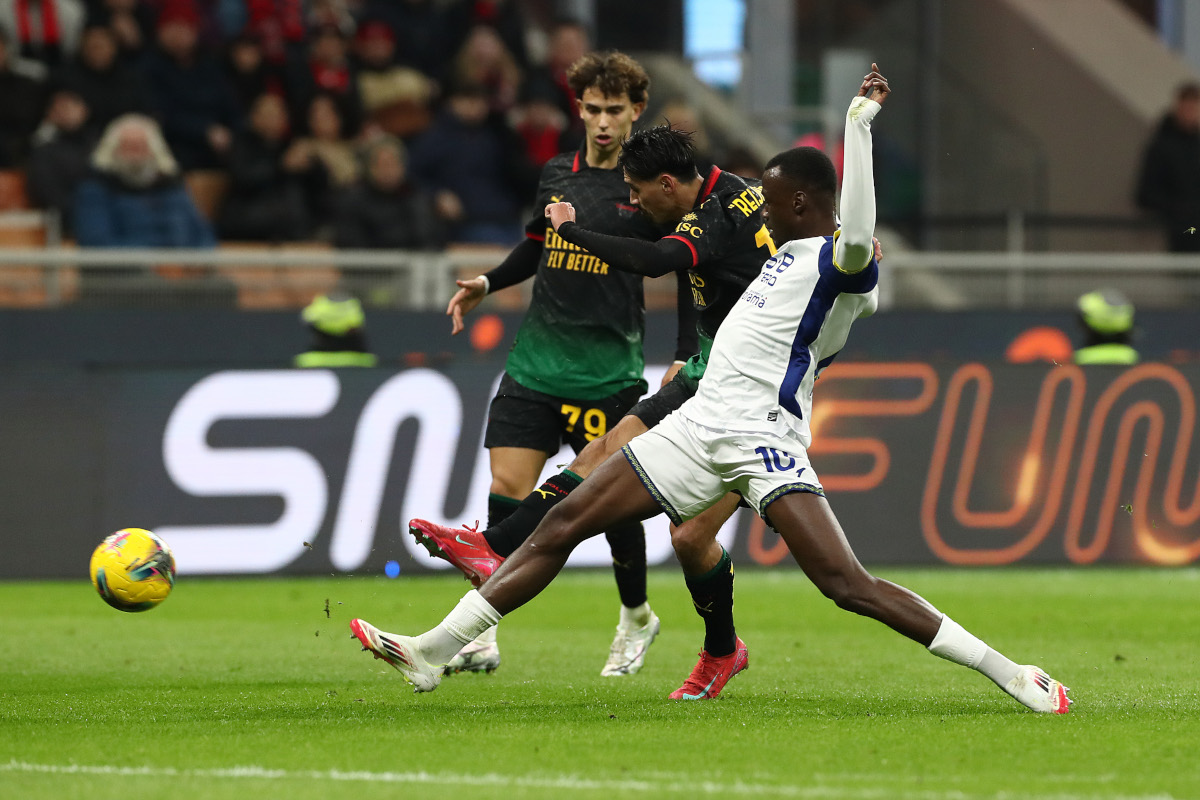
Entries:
{"x":506,"y":535}
{"x":628,"y":544}
{"x":712,"y":594}
{"x":500,"y":508}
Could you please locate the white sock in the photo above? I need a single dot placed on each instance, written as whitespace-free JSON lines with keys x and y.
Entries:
{"x":472,"y":616}
{"x":954,"y":643}
{"x":635,"y":617}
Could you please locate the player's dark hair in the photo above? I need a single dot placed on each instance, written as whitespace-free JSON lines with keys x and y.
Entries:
{"x":613,"y":73}
{"x":1188,"y":91}
{"x":649,"y":153}
{"x":809,"y":169}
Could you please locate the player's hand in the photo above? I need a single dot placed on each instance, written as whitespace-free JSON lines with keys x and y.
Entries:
{"x":878,"y":249}
{"x":469,"y":295}
{"x":560,"y":213}
{"x":874,"y":86}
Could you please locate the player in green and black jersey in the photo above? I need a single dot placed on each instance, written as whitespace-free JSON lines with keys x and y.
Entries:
{"x":576,"y":364}
{"x":719,"y":238}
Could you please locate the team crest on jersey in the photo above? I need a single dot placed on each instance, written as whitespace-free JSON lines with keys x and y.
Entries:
{"x":689,"y":217}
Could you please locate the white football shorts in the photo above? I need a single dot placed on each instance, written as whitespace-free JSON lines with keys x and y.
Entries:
{"x":687,"y":467}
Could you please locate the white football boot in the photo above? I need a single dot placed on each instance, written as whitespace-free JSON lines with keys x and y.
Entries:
{"x":402,"y":652}
{"x":1034,"y":689}
{"x":628,"y":651}
{"x":480,"y":655}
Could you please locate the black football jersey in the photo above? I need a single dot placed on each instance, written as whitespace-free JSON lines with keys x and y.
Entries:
{"x":582,"y":335}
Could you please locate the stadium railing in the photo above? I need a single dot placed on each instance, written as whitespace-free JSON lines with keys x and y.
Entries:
{"x":288,"y":277}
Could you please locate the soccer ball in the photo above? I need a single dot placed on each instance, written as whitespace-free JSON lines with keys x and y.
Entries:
{"x":133,"y":570}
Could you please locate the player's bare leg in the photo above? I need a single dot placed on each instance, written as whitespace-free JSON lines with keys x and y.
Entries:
{"x":515,"y":470}
{"x":637,"y":624}
{"x":709,"y":575}
{"x":816,"y":541}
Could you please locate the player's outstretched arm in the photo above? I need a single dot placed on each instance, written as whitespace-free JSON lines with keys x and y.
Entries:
{"x":651,"y":259}
{"x":854,"y":246}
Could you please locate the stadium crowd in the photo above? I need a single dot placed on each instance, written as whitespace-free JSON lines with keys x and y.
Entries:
{"x":363,"y":123}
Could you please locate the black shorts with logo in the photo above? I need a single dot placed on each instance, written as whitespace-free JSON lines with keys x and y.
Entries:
{"x":655,"y":408}
{"x":523,"y":417}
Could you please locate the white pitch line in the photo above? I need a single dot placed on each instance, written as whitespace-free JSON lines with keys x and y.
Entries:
{"x":568,"y":782}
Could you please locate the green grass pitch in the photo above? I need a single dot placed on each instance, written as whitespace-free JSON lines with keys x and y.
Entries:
{"x":238,"y":688}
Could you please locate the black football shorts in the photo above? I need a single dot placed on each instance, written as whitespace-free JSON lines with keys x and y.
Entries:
{"x":523,"y":417}
{"x":655,"y":408}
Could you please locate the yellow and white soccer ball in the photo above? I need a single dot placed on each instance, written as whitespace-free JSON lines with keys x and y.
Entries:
{"x":133,"y":570}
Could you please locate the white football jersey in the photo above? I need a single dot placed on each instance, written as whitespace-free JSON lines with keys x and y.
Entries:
{"x":789,"y":325}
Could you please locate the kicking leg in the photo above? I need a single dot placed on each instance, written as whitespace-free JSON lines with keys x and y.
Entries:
{"x":815,"y":539}
{"x":708,"y":572}
{"x":614,"y":495}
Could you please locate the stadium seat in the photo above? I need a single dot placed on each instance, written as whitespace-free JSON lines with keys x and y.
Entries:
{"x":207,"y":188}
{"x":279,"y":287}
{"x":13,"y":196}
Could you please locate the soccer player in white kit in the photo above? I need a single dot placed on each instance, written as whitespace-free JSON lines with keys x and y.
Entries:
{"x":747,"y":430}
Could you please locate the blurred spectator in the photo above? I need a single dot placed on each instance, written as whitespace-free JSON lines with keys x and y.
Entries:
{"x":325,"y":139}
{"x":336,"y":323}
{"x":189,"y":94}
{"x":135,"y":197}
{"x":326,"y":69}
{"x":45,"y":31}
{"x":1106,"y":316}
{"x":331,"y":12}
{"x":109,"y":87}
{"x":394,"y":97}
{"x":539,"y":122}
{"x":249,"y":74}
{"x":504,"y":17}
{"x":485,"y":61}
{"x":278,"y":26}
{"x":22,"y":98}
{"x":271,"y":180}
{"x":425,"y":29}
{"x":683,"y":117}
{"x":1169,"y":184}
{"x":61,"y":155}
{"x":387,"y":210}
{"x":131,"y":23}
{"x":478,"y":168}
{"x":568,"y":42}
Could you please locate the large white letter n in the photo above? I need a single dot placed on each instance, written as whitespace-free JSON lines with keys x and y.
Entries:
{"x":287,"y":472}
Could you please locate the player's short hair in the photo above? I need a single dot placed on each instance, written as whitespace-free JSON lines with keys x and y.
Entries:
{"x":649,"y":153}
{"x":1188,"y":91}
{"x":613,"y":73}
{"x":808,"y":168}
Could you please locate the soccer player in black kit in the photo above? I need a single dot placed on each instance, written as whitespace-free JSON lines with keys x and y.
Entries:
{"x":719,"y":238}
{"x":576,"y":364}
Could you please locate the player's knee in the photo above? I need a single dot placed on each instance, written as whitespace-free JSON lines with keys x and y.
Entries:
{"x":690,"y":542}
{"x":593,"y":455}
{"x":506,"y":486}
{"x":853,"y":593}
